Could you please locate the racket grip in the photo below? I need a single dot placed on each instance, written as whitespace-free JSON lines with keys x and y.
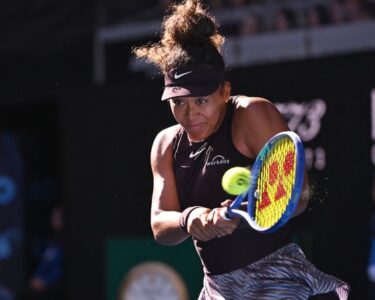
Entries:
{"x":226,"y":214}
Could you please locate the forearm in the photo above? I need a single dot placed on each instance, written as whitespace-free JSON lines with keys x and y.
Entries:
{"x":171,"y":227}
{"x":304,"y":198}
{"x":302,"y":205}
{"x":166,"y":228}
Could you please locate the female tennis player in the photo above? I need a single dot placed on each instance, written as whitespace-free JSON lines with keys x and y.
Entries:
{"x":215,"y":132}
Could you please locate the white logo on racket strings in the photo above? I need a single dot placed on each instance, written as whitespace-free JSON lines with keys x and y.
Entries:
{"x":182,"y":74}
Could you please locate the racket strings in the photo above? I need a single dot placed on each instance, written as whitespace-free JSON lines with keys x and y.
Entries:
{"x":275,"y":183}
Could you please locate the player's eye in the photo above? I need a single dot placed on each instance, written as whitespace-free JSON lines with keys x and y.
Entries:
{"x":201,"y":101}
{"x":178,"y":101}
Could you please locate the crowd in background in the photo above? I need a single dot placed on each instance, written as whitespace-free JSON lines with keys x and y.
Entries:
{"x":269,"y":15}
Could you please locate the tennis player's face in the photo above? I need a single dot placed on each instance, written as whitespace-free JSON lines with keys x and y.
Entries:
{"x":201,"y":116}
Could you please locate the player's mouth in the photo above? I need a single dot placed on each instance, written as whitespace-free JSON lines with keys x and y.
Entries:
{"x":196,"y":131}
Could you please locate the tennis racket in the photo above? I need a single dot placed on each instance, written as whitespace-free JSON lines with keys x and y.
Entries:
{"x":276,"y":184}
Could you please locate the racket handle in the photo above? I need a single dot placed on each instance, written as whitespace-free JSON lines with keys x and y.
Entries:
{"x":226,"y":214}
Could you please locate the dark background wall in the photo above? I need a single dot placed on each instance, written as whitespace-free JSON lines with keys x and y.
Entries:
{"x":108,"y":133}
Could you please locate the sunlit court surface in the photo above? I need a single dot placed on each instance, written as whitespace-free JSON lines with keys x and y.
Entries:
{"x":81,"y":149}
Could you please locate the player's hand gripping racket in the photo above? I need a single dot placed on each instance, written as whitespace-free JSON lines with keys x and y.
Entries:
{"x":276,"y":184}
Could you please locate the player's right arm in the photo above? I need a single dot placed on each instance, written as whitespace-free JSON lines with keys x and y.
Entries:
{"x":165,"y":207}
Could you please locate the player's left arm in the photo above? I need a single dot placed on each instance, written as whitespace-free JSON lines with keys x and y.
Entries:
{"x":255,"y":121}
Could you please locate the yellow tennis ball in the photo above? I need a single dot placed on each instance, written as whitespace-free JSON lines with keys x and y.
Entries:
{"x":236,"y":180}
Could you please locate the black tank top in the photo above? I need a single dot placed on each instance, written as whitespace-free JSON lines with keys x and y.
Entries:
{"x":198,"y":169}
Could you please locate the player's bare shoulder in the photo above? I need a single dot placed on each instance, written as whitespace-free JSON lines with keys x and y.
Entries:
{"x":255,"y":120}
{"x":242,"y":102}
{"x":162,"y":145}
{"x":253,"y":109}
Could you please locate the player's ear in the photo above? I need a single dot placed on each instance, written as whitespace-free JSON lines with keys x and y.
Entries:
{"x":226,"y":90}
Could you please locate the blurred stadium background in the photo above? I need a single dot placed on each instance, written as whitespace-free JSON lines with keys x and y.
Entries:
{"x":78,"y":116}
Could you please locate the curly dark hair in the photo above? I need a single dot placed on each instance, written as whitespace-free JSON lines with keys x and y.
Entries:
{"x":190,"y":36}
